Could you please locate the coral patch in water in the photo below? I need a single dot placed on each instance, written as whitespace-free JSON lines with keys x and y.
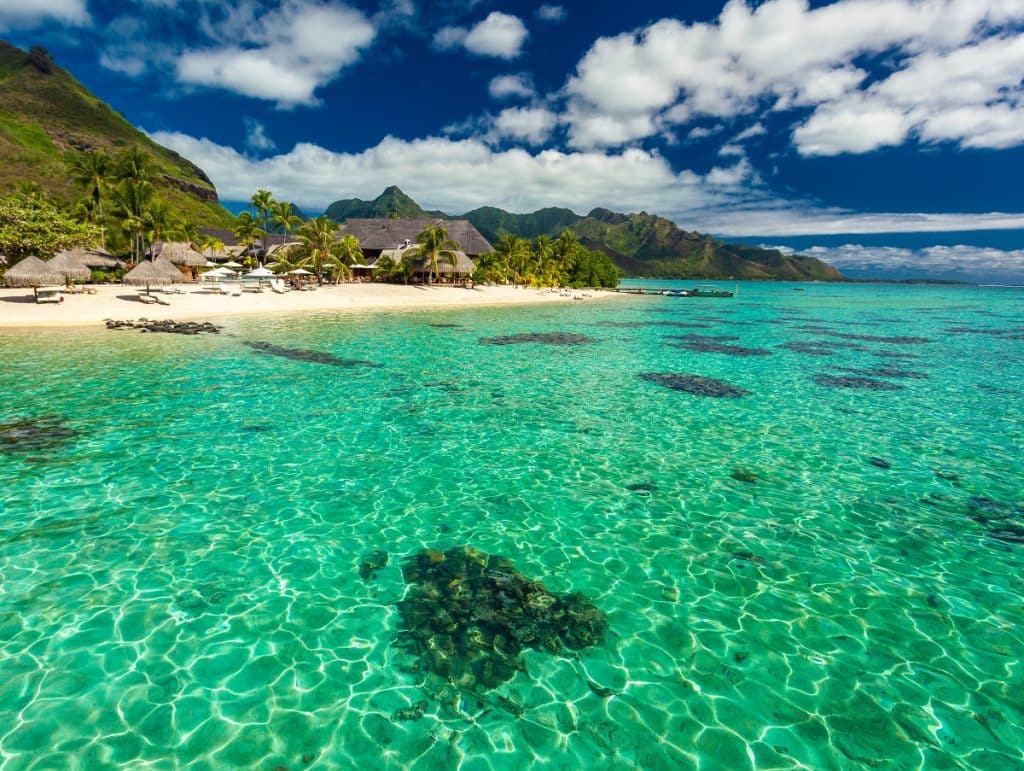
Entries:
{"x":710,"y":346}
{"x":34,"y":434}
{"x":851,"y":381}
{"x":468,"y":615}
{"x":694,"y":384}
{"x":302,"y":354}
{"x":543,"y":338}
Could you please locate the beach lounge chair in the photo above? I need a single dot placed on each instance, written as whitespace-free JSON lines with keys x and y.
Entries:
{"x":278,"y":286}
{"x":224,"y":289}
{"x":48,"y":296}
{"x":147,"y":299}
{"x":236,"y":291}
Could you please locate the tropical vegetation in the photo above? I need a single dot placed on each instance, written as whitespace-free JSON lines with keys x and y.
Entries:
{"x":318,"y":251}
{"x":563,"y":261}
{"x":32,"y":223}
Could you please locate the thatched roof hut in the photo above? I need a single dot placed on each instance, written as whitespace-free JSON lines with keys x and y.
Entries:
{"x":93,"y":258}
{"x":375,"y":235}
{"x":32,"y":272}
{"x":149,"y":273}
{"x":177,"y":253}
{"x":463,"y":264}
{"x":69,"y":266}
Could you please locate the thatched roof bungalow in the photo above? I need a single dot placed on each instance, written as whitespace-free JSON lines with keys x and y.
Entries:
{"x":376,"y":235}
{"x":177,"y":253}
{"x":70,"y":267}
{"x":97,"y":259}
{"x":463,"y":266}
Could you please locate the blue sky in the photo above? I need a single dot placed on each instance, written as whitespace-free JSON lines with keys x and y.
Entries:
{"x":888,"y":135}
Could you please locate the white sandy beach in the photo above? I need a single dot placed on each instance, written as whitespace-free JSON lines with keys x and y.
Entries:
{"x":18,"y":308}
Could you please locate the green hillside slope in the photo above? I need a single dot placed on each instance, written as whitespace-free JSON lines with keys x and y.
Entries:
{"x":46,"y":112}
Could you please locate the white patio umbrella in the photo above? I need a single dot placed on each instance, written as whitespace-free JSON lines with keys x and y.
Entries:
{"x":299,"y":272}
{"x":232,"y":264}
{"x":260,"y":273}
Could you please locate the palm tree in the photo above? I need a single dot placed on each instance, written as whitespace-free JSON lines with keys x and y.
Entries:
{"x":263,"y":202}
{"x":133,"y":164}
{"x":514,"y":252}
{"x":159,"y":220}
{"x":348,"y":252}
{"x":285,"y":217}
{"x":318,"y":246}
{"x":245,"y":229}
{"x":133,"y":200}
{"x":90,"y":170}
{"x":435,"y":247}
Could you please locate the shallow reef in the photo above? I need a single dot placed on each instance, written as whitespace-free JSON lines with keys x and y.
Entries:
{"x":302,"y":354}
{"x":888,"y":372}
{"x":468,"y":615}
{"x":1004,"y":521}
{"x":47,"y":432}
{"x":742,"y":475}
{"x":167,"y":325}
{"x":695,"y":384}
{"x":695,"y":338}
{"x":893,"y":340}
{"x":855,"y":381}
{"x":810,"y":348}
{"x":543,"y":338}
{"x":371,"y":562}
{"x":446,"y":325}
{"x":709,"y":346}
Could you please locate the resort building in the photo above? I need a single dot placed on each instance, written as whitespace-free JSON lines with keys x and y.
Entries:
{"x":376,"y":235}
{"x":379,"y":238}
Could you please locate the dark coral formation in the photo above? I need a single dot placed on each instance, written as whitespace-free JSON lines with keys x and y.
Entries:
{"x":47,"y":432}
{"x":543,"y":338}
{"x":371,"y":562}
{"x":892,"y":340}
{"x":695,"y":338}
{"x":694,"y":384}
{"x":168,"y":325}
{"x":855,"y":381}
{"x":810,"y":348}
{"x":302,"y":354}
{"x":468,"y":615}
{"x":742,"y":475}
{"x":887,"y":372}
{"x":446,"y":325}
{"x":1005,"y":522}
{"x":881,"y":463}
{"x":709,"y":346}
{"x":642,"y":487}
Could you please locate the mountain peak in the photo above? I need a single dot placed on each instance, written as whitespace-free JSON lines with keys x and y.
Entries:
{"x":391,"y":203}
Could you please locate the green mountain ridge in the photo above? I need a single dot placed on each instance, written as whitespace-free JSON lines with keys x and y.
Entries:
{"x":392,"y":203}
{"x":639,"y":244}
{"x":47,"y":112}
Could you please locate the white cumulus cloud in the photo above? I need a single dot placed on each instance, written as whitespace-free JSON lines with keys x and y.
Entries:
{"x":500,"y":35}
{"x":25,"y":14}
{"x":551,"y":13}
{"x":457,"y":175}
{"x":285,"y":54}
{"x":928,"y":59}
{"x":256,"y":137}
{"x":506,"y":86}
{"x":532,"y":125}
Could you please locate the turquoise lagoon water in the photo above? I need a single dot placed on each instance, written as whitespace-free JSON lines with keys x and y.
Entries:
{"x":180,"y":588}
